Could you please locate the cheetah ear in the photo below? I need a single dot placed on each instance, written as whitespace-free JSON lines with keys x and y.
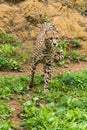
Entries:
{"x":46,"y":26}
{"x":55,"y":27}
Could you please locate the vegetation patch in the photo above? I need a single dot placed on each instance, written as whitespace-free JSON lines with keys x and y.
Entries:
{"x":9,"y":53}
{"x":71,"y":52}
{"x":64,"y":107}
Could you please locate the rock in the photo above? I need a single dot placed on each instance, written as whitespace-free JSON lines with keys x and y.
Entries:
{"x":66,"y":66}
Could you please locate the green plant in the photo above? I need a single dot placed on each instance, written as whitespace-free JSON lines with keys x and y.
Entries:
{"x":6,"y":38}
{"x":63,"y":108}
{"x":10,"y":85}
{"x":6,"y":64}
{"x":76,"y":43}
{"x":14,"y":65}
{"x":43,"y":118}
{"x":63,"y":44}
{"x":73,"y":55}
{"x":83,"y":57}
{"x":71,"y":80}
{"x":5,"y":125}
{"x":3,"y":62}
{"x":61,"y":63}
{"x":45,"y":19}
{"x":7,"y":50}
{"x":5,"y":110}
{"x":24,"y":58}
{"x":68,"y":112}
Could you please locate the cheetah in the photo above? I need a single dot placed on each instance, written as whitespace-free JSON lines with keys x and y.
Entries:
{"x":45,"y":50}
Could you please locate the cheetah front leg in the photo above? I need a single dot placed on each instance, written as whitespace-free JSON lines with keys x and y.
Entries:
{"x":32,"y":75}
{"x":33,"y":68}
{"x":47,"y":73}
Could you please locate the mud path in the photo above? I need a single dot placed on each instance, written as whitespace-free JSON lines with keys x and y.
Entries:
{"x":74,"y":67}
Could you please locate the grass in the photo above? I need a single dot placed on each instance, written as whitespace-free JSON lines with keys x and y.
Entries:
{"x":63,"y":108}
{"x":13,"y":55}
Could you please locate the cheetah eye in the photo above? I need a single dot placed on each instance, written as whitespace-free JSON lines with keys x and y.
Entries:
{"x":57,"y":38}
{"x":50,"y":38}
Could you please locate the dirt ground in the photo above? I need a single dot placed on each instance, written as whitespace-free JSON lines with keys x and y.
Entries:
{"x":73,"y":67}
{"x":17,"y":110}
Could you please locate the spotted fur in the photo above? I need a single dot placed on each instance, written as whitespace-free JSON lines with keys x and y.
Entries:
{"x":45,"y":51}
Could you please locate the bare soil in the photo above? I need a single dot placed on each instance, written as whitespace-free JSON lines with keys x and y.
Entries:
{"x":73,"y":67}
{"x":14,"y":103}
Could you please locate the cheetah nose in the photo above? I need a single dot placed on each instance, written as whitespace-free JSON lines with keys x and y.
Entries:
{"x":54,"y":44}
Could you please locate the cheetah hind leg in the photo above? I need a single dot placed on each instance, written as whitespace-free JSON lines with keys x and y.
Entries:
{"x":47,"y":77}
{"x":31,"y":85}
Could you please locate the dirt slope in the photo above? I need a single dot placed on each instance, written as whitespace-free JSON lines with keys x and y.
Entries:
{"x":15,"y":19}
{"x":24,"y":19}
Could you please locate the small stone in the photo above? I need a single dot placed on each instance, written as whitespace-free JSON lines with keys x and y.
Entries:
{"x":66,"y":66}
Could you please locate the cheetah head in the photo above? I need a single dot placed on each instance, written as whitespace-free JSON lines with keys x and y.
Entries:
{"x":52,"y":35}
